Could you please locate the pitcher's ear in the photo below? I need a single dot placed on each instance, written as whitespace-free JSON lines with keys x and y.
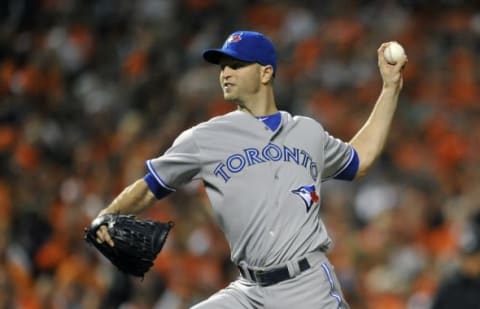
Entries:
{"x":267,"y":73}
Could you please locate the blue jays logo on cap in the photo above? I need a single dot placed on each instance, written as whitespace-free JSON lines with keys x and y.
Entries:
{"x":248,"y":46}
{"x":308,"y":194}
{"x":236,"y":37}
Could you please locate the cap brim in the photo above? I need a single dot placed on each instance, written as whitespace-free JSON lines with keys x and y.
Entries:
{"x":214,"y":55}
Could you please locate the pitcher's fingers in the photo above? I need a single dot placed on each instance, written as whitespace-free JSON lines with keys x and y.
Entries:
{"x":381,"y":55}
{"x":102,"y":235}
{"x":402,"y":63}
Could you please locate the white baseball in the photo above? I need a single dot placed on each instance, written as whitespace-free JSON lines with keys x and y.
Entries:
{"x":394,"y":52}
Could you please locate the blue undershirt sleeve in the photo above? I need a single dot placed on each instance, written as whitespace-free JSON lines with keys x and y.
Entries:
{"x":157,"y":189}
{"x":351,"y":169}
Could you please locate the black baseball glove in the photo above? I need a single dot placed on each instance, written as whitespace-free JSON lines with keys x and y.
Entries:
{"x":137,"y":242}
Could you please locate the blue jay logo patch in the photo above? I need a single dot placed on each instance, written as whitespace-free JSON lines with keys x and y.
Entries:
{"x":308,"y":195}
{"x":234,"y":38}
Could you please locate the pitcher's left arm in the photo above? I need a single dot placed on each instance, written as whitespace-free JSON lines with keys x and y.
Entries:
{"x":370,"y":140}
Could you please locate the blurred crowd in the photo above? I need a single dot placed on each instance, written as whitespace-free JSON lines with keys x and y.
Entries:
{"x":91,"y":89}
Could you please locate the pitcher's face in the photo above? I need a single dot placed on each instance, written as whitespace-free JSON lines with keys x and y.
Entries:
{"x":238,"y":79}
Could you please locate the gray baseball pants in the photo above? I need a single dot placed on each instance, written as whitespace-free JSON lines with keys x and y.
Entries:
{"x":316,"y":287}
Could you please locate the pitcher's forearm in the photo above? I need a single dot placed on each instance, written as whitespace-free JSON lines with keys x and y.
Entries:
{"x":132,"y":200}
{"x":370,"y":139}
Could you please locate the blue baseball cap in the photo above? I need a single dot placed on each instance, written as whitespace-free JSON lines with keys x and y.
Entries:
{"x":248,"y":46}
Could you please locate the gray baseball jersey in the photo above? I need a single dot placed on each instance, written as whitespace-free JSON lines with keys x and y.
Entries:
{"x":263,"y":185}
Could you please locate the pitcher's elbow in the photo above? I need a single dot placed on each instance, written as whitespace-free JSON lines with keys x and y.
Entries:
{"x":366,"y":162}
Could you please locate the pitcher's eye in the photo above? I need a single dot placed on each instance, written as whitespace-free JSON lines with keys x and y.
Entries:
{"x":234,"y":65}
{"x":237,"y":65}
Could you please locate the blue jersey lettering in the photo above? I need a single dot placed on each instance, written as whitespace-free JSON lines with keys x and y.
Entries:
{"x":236,"y":162}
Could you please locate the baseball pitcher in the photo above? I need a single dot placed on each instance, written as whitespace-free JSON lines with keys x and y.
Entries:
{"x":263,"y":171}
